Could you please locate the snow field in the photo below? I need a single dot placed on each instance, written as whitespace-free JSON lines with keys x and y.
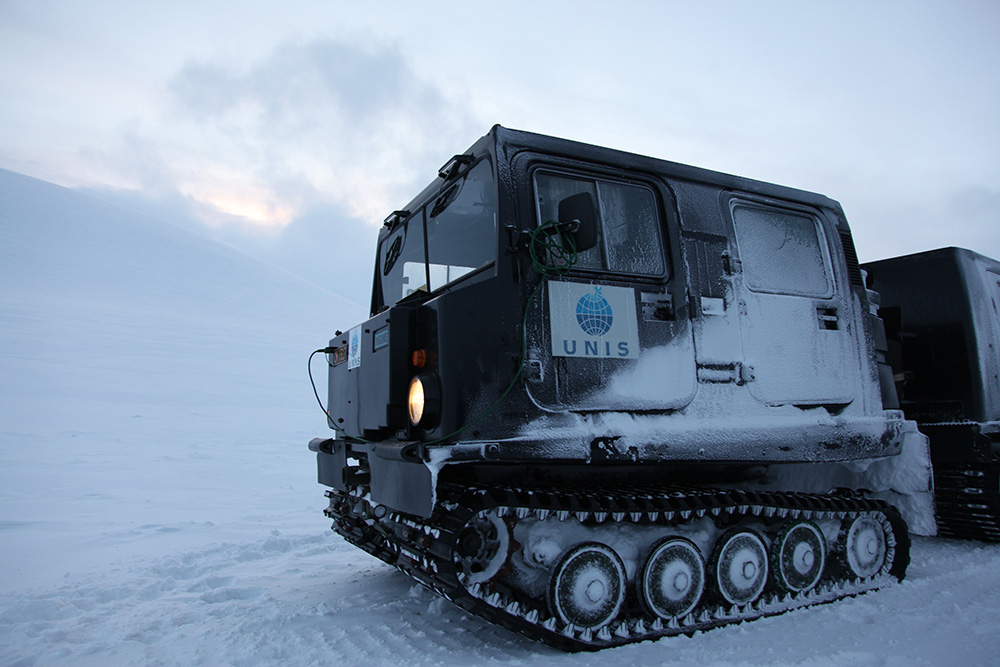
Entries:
{"x":310,"y":599}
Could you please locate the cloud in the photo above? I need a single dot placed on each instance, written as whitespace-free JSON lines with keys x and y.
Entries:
{"x":321,"y":122}
{"x":325,"y":120}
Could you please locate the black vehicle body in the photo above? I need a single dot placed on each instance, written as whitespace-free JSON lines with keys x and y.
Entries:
{"x":794,"y":359}
{"x":942,"y":315}
{"x":592,"y":389}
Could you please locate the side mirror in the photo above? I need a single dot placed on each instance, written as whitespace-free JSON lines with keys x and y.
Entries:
{"x":578,"y":214}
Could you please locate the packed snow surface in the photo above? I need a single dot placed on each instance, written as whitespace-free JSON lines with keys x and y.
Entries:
{"x":158,"y":504}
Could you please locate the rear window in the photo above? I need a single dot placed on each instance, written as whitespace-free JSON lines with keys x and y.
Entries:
{"x":782,"y":251}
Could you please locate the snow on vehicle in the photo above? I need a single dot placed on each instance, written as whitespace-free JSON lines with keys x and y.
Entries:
{"x":587,"y":374}
{"x":942,"y":314}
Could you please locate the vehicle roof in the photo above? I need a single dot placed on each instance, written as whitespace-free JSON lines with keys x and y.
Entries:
{"x":509,"y":142}
{"x":512,"y":140}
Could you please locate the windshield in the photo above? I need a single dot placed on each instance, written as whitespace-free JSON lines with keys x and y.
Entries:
{"x":450,"y":236}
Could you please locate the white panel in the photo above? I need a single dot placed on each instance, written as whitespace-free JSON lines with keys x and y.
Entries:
{"x":595,"y":321}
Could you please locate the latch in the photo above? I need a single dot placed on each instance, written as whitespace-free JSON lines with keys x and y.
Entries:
{"x":722,"y":373}
{"x":394,"y":219}
{"x":657,"y":307}
{"x":731,"y":264}
{"x":713,"y":306}
{"x":827,"y":318}
{"x":532,"y":371}
{"x":451,"y":167}
{"x":513,"y":236}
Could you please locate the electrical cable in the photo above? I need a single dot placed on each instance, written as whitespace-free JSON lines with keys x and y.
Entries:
{"x":330,"y":420}
{"x":557,"y":244}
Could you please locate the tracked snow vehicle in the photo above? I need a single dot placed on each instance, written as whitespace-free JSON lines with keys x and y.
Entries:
{"x":582,"y":372}
{"x":942,"y":315}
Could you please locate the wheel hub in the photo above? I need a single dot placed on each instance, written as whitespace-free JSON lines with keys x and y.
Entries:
{"x":865,"y":546}
{"x":596,"y":590}
{"x":799,"y":555}
{"x":587,"y":587}
{"x":673,"y":578}
{"x":741,"y":567}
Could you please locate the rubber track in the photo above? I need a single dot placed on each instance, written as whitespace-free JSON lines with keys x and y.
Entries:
{"x":967,"y":500}
{"x":423,"y":548}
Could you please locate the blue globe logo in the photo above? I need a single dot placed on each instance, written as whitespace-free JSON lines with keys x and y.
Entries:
{"x":593,"y":312}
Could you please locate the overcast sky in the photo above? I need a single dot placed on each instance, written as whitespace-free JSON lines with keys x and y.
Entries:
{"x":291,"y":129}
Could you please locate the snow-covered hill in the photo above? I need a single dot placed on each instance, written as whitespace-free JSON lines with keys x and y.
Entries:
{"x":158,"y":504}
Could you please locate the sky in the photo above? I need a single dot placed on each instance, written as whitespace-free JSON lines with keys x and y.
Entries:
{"x":290,"y":130}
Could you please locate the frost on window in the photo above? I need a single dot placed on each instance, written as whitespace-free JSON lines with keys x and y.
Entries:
{"x":553,"y":189}
{"x":781,"y":251}
{"x":630,"y":229}
{"x":628,"y":222}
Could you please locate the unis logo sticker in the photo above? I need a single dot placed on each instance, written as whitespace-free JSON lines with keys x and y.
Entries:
{"x":354,"y":348}
{"x":593,"y":321}
{"x":594,"y":313}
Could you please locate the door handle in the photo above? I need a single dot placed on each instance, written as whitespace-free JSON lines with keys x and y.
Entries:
{"x":827,"y":318}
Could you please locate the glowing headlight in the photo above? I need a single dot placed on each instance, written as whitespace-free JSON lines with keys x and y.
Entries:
{"x":416,"y":400}
{"x":424,"y":400}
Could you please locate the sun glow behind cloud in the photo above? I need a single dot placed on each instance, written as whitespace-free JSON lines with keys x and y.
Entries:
{"x":258,"y":208}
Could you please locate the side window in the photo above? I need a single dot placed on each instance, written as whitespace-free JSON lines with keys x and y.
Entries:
{"x":461,"y":227}
{"x":401,"y":261}
{"x":782,"y":251}
{"x":448,"y":237}
{"x":629,"y":226}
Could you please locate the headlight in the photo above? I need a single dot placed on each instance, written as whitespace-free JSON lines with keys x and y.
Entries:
{"x":424,"y":401}
{"x":416,"y":400}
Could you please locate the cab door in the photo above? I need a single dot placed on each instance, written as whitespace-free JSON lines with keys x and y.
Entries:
{"x":795,"y":321}
{"x":609,"y":334}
